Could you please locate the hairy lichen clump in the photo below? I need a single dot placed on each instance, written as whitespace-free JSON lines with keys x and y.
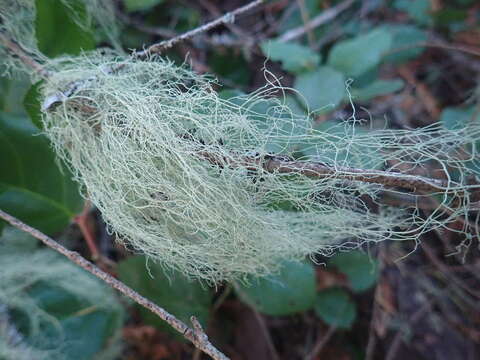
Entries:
{"x":29,"y":327}
{"x":180,"y":174}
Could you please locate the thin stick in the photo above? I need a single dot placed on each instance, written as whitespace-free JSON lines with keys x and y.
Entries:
{"x":306,"y":18}
{"x":321,"y":342}
{"x":225,"y":19}
{"x":286,"y":165}
{"x":317,"y":21}
{"x":82,"y":220}
{"x":196,"y":335}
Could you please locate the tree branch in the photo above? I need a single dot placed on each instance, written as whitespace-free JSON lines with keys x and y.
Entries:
{"x":323,"y":18}
{"x":196,"y":335}
{"x":225,"y":19}
{"x":287,"y":165}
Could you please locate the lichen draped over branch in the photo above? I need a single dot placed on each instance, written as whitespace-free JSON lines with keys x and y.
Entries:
{"x":179,"y":173}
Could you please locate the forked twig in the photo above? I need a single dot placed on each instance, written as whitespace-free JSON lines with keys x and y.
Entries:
{"x":323,"y":18}
{"x":196,"y":335}
{"x":225,"y":19}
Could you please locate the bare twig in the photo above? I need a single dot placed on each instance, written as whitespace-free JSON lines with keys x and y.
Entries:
{"x":437,"y":44}
{"x":399,"y":337}
{"x":306,"y":18}
{"x":17,"y":51}
{"x":196,"y":335}
{"x":372,"y":338}
{"x":321,"y":342}
{"x":225,"y":19}
{"x":317,"y":21}
{"x":266,"y":334}
{"x":286,"y":165}
{"x":82,"y":221}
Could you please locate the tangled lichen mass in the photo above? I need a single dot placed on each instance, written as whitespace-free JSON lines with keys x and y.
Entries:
{"x":178,"y":172}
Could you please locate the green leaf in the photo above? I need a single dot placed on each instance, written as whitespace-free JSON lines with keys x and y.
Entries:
{"x":32,"y":105}
{"x":85,"y":328}
{"x":336,"y":308}
{"x":377,"y":88}
{"x":323,"y":88}
{"x":356,"y":56}
{"x":57,"y":32}
{"x":32,"y":187}
{"x":172,"y":291}
{"x":138,"y":5}
{"x":361,"y":271}
{"x":404,"y":44}
{"x":289,"y":292}
{"x":458,"y":117}
{"x":294,"y":57}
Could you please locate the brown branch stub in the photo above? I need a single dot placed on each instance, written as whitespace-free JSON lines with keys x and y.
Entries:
{"x":196,"y":335}
{"x":225,"y":19}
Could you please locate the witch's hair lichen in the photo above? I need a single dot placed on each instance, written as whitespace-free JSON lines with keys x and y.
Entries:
{"x":28,"y":329}
{"x":163,"y":157}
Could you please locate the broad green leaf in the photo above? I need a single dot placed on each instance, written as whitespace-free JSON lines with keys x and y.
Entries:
{"x":406,"y":39}
{"x":458,"y":117}
{"x":137,"y":5}
{"x":356,"y":56}
{"x":172,"y":291}
{"x":361,"y":271}
{"x":85,"y":328}
{"x":377,"y":88}
{"x":32,"y":105}
{"x":322,"y":89}
{"x":289,"y":292}
{"x":32,"y":187}
{"x":57,"y":32}
{"x":335,"y":307}
{"x":294,"y":57}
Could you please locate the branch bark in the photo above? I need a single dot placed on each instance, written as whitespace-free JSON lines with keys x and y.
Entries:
{"x":225,"y":19}
{"x":323,"y":18}
{"x":287,"y":165}
{"x":196,"y":335}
